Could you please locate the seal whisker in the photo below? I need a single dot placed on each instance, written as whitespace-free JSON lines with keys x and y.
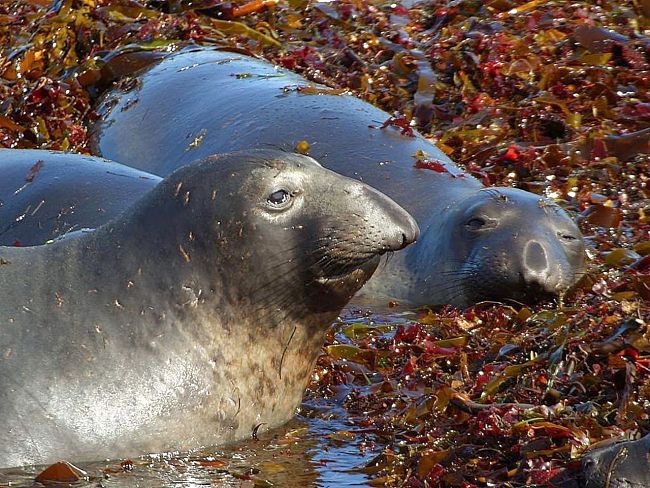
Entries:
{"x":284,"y":351}
{"x":271,"y":285}
{"x":275,"y":298}
{"x":450,"y":285}
{"x":468,"y":268}
{"x":454,"y":282}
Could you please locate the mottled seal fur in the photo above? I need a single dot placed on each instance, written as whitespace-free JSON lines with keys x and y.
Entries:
{"x":190,"y":319}
{"x":477,"y":244}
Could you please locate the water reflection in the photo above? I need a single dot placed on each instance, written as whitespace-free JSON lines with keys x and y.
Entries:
{"x":304,"y":453}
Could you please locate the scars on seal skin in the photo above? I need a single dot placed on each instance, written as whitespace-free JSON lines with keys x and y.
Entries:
{"x":47,"y":194}
{"x":476,"y":245}
{"x":190,"y":319}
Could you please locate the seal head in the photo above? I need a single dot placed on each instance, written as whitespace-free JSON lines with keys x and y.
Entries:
{"x":494,"y":255}
{"x":309,"y":232}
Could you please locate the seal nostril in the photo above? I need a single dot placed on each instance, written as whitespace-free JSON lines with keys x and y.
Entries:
{"x":535,"y":257}
{"x":410,"y":233}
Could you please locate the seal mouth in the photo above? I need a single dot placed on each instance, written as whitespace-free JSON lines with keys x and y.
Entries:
{"x":331,"y":293}
{"x":349,"y":280}
{"x":524,"y":295}
{"x":357,"y":273}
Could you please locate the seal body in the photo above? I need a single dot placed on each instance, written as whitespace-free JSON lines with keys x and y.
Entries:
{"x":225,"y":101}
{"x":192,"y":318}
{"x":47,"y":194}
{"x":621,"y":465}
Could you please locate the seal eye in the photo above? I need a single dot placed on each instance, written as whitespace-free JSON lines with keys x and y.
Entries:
{"x":279,"y":198}
{"x":588,"y":462}
{"x":567,"y":237}
{"x":475,"y":223}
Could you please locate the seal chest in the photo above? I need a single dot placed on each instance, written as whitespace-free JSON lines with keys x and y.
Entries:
{"x":191,"y":318}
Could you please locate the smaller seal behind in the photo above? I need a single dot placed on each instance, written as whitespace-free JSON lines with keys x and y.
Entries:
{"x":190,"y":319}
{"x":621,"y":465}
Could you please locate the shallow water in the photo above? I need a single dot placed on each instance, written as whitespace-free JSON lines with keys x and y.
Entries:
{"x":304,"y":453}
{"x":316,"y":449}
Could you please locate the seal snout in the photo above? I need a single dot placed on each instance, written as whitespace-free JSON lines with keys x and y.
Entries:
{"x":540,"y":277}
{"x":535,"y":259}
{"x":374,"y":225}
{"x":408,"y":230}
{"x":398,"y":227}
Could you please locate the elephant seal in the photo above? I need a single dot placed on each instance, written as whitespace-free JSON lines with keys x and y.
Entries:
{"x":46,"y":194}
{"x":620,"y":465}
{"x":192,"y":318}
{"x":477,"y":244}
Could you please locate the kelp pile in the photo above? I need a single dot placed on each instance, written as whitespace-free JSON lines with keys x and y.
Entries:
{"x":547,"y":96}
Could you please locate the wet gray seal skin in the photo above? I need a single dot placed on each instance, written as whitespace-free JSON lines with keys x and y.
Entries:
{"x":476,"y":245}
{"x":46,"y":194}
{"x":191,"y":318}
{"x":620,"y":465}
